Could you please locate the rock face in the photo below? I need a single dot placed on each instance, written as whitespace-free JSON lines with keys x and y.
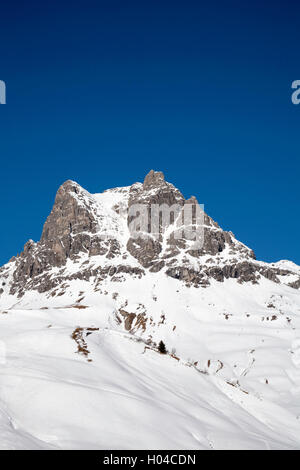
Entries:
{"x":154,"y":191}
{"x":150,"y":253}
{"x":69,"y":227}
{"x":154,"y":179}
{"x":92,"y":232}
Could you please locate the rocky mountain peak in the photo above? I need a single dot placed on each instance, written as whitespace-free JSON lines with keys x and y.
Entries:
{"x":192,"y":200}
{"x":93,"y":233}
{"x":71,"y":213}
{"x":154,"y":179}
{"x":155,"y":190}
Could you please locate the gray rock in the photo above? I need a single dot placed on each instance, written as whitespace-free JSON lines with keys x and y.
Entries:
{"x":73,"y":228}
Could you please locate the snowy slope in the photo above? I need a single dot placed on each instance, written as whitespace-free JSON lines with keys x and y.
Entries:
{"x":236,"y":383}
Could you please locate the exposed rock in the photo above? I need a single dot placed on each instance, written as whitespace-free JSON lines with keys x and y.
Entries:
{"x":132,"y":321}
{"x":74,"y":231}
{"x":145,"y":250}
{"x":153,"y":179}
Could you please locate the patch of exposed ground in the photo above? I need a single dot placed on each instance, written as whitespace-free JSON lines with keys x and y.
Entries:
{"x":79,"y":335}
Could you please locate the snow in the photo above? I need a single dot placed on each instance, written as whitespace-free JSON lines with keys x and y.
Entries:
{"x":243,"y":393}
{"x":289,"y":265}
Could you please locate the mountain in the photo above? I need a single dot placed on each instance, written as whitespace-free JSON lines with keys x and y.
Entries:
{"x":83,"y":311}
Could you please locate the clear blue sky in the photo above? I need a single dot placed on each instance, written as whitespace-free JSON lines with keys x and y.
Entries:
{"x":103,"y":91}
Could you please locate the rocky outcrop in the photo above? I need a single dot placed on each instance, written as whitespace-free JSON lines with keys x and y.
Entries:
{"x":71,"y":224}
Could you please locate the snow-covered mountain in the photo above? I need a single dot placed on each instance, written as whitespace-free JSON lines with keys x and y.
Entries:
{"x":83,"y":310}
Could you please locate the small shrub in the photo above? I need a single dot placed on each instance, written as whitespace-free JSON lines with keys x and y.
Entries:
{"x":162,"y":348}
